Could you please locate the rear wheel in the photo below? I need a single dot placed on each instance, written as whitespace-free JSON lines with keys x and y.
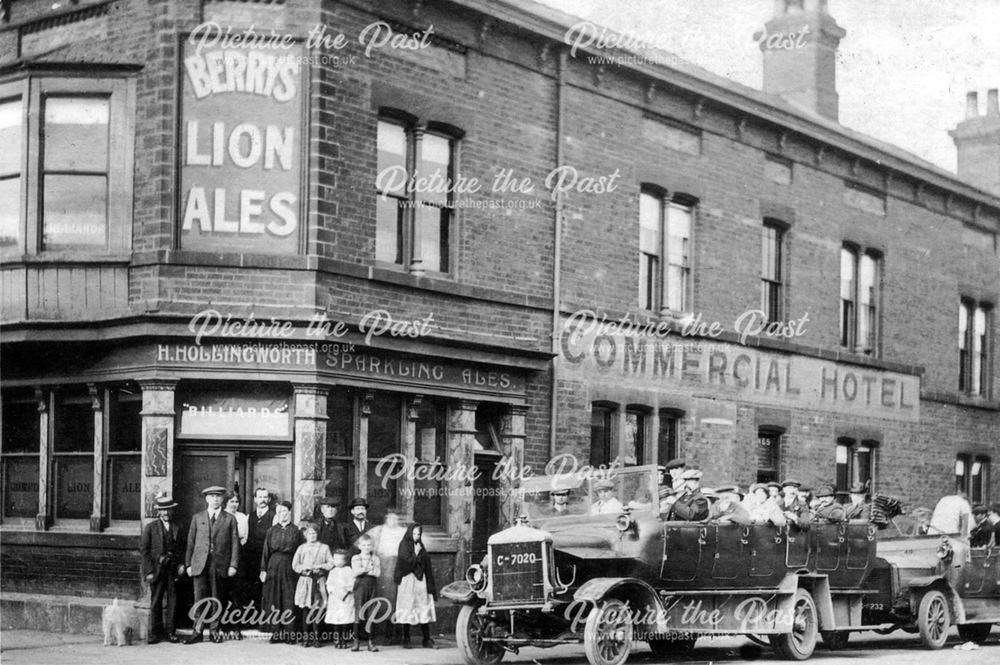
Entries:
{"x":975,"y":632}
{"x":607,"y":637}
{"x":470,"y":629}
{"x":835,"y":640}
{"x":799,"y":643}
{"x":667,"y":647}
{"x":933,"y":619}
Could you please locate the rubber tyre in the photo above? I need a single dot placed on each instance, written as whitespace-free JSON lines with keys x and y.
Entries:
{"x":801,"y":641}
{"x":607,"y":636}
{"x":668,"y":648}
{"x":468,"y":628}
{"x":975,"y":632}
{"x":835,"y":640}
{"x":933,"y":619}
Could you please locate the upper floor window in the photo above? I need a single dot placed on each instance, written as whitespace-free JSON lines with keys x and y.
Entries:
{"x":66,"y":165}
{"x":860,"y":276}
{"x":973,"y":350}
{"x":665,"y":226}
{"x":772,"y":237}
{"x":414,"y":223}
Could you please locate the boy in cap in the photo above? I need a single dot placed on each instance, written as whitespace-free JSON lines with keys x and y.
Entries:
{"x":689,"y":504}
{"x":213,"y":553}
{"x":162,"y":562}
{"x":826,"y":510}
{"x":607,"y":503}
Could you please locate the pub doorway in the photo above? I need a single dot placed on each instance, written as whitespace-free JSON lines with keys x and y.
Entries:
{"x":241,"y":469}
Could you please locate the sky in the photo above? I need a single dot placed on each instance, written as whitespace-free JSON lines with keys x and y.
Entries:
{"x":903,"y":68}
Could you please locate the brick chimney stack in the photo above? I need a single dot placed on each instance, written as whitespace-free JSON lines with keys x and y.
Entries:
{"x":799,"y":46}
{"x":978,"y":141}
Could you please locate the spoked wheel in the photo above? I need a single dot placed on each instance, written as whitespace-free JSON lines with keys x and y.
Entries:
{"x":975,"y":632}
{"x":670,"y":646}
{"x":469,"y":632}
{"x":607,"y":637}
{"x":934,"y":619}
{"x":835,"y":640}
{"x":798,"y":644}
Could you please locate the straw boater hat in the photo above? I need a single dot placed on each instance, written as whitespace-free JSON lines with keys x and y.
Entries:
{"x":164,"y":503}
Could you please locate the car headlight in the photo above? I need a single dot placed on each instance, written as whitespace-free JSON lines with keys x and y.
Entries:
{"x":476,"y":577}
{"x":623,"y":522}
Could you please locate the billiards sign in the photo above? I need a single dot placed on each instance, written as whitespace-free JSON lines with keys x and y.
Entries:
{"x":240,"y":150}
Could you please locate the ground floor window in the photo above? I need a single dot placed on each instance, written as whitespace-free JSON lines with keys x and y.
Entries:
{"x":19,"y":455}
{"x":972,"y":476}
{"x":768,"y":454}
{"x":855,"y":465}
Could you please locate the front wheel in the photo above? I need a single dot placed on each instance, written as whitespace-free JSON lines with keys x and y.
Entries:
{"x":933,"y":619}
{"x":469,"y":632}
{"x":800,"y":641}
{"x":975,"y":632}
{"x":607,"y":637}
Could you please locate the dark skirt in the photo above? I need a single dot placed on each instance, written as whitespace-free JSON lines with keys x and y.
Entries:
{"x":279,"y":589}
{"x":364,"y":590}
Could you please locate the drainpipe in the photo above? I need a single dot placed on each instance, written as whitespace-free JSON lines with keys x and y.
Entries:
{"x":557,"y":258}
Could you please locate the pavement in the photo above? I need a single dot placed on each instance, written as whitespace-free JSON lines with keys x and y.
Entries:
{"x":19,"y":647}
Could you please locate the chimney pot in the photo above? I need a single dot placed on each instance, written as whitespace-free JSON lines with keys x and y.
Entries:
{"x":992,"y":105}
{"x":972,"y":105}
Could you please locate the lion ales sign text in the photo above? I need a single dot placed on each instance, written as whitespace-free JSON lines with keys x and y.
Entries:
{"x":241,"y":148}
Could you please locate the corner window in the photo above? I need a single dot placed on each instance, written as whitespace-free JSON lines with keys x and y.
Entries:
{"x":665,"y":228}
{"x":771,"y":258}
{"x":860,"y":284}
{"x":414,"y":211}
{"x":68,"y":150}
{"x":124,"y":458}
{"x":973,"y":347}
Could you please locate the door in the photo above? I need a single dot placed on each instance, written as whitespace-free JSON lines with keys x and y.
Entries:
{"x":195,"y":470}
{"x":486,"y":505}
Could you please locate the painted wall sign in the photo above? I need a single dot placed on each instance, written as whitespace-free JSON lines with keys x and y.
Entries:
{"x":254,"y":415}
{"x":744,"y":373}
{"x":241,"y":148}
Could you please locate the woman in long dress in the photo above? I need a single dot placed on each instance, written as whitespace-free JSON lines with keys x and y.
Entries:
{"x":276,"y":572}
{"x":415,"y":587}
{"x":387,"y":537}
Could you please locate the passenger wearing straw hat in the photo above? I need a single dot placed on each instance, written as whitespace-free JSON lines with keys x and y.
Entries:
{"x":162,"y":563}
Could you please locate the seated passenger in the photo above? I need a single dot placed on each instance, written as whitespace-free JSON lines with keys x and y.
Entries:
{"x":673,"y":472}
{"x":796,"y":510}
{"x":607,"y":503}
{"x":689,"y":504}
{"x":774,"y":490}
{"x":827,"y":511}
{"x":763,"y":509}
{"x":729,"y":509}
{"x":559,"y":505}
{"x":982,"y":533}
{"x":860,"y":508}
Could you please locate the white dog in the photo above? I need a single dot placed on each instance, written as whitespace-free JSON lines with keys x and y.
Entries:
{"x":120,"y":621}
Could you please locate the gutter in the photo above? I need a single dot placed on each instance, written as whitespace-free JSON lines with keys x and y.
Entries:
{"x":557,"y":255}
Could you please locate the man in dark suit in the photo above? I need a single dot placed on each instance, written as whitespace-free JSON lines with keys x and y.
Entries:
{"x":688,"y":504}
{"x":357,"y":524}
{"x":259,"y":520}
{"x":331,"y":532}
{"x":827,"y":511}
{"x":213,"y":553}
{"x":162,"y":562}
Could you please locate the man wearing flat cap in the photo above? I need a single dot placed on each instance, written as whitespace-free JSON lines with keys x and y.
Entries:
{"x":981,"y":534}
{"x":331,"y":532}
{"x":213,"y":554}
{"x":796,"y":510}
{"x":859,"y":508}
{"x":729,"y":508}
{"x":607,"y":503}
{"x":357,"y":524}
{"x":827,"y":511}
{"x":674,"y":472}
{"x":162,"y":562}
{"x":689,"y":504}
{"x":558,"y":503}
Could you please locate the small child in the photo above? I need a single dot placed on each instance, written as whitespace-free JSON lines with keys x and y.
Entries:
{"x":340,"y":599}
{"x":312,"y":560}
{"x":366,"y":567}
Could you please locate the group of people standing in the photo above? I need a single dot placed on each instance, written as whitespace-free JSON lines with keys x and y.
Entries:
{"x":682,"y":498}
{"x":317,"y":581}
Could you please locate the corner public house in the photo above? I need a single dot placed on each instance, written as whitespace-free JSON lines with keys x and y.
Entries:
{"x":206,"y":281}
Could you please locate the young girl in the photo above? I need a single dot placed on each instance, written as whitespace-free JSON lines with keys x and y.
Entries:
{"x":416,"y":588}
{"x":366,"y":567}
{"x":340,"y":599}
{"x":312,"y":561}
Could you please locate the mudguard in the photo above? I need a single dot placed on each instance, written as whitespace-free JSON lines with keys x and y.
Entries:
{"x":459,"y":592}
{"x":638,"y":593}
{"x":918,"y":584}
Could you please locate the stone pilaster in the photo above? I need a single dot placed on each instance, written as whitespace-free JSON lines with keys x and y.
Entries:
{"x":407,"y":498}
{"x":512,"y":436}
{"x":43,"y":398}
{"x":97,"y":404}
{"x":310,"y":448}
{"x":361,"y":454}
{"x":157,"y":441}
{"x":461,"y":451}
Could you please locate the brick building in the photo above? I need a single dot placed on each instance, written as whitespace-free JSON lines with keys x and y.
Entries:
{"x":198,"y":275}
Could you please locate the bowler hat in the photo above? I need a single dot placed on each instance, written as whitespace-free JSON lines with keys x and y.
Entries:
{"x":358,"y":501}
{"x":214,"y":489}
{"x":164,"y":503}
{"x":791,"y":483}
{"x":824,"y":490}
{"x":329,"y":501}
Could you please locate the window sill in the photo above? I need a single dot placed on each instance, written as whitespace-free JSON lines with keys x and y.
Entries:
{"x":67,"y":537}
{"x":58,"y":258}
